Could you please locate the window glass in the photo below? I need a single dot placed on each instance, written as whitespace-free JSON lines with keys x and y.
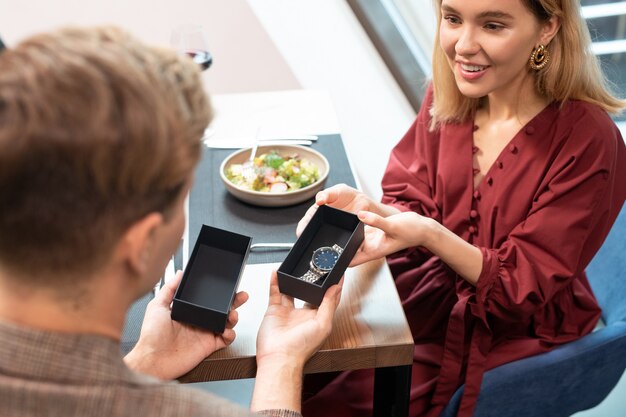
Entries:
{"x":606,"y":21}
{"x":607,"y":24}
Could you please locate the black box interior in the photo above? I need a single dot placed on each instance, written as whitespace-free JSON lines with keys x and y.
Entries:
{"x":329,"y":226}
{"x":211,"y":277}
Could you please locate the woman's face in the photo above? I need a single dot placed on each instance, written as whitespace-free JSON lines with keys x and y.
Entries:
{"x":488,"y":44}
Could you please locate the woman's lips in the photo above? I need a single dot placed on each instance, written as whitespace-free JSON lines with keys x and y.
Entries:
{"x":471,"y":71}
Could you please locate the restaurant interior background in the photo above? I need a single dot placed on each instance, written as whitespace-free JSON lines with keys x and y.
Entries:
{"x":371,"y":56}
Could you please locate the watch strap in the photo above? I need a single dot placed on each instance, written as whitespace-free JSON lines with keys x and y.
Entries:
{"x":310,"y":276}
{"x":338,"y":248}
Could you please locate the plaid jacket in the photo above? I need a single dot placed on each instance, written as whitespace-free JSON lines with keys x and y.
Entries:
{"x":54,"y":374}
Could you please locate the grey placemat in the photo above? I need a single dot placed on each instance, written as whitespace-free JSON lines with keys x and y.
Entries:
{"x":211,"y":204}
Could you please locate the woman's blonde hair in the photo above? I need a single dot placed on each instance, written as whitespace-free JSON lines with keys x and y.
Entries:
{"x":573,"y":72}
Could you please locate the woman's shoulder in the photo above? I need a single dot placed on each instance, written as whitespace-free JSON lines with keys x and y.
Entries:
{"x":586,"y":116}
{"x":578,"y":120}
{"x":584,"y":130}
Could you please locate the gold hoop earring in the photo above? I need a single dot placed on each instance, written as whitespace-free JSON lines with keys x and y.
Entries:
{"x":539,"y":58}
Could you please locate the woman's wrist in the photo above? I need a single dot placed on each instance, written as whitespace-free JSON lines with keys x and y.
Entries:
{"x":461,"y":256}
{"x":432,"y":234}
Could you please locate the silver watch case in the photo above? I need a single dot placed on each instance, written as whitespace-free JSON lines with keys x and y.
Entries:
{"x":316,"y":272}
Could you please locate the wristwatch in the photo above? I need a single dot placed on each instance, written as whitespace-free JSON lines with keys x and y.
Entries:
{"x":322,"y":262}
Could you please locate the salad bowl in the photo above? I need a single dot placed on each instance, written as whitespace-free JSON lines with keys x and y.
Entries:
{"x":283,"y":175}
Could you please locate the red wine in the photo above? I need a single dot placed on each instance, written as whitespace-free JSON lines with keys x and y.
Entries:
{"x":202,"y":58}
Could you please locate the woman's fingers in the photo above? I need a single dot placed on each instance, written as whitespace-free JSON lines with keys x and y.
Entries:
{"x":334,"y":194}
{"x":373,"y":219}
{"x":305,"y":219}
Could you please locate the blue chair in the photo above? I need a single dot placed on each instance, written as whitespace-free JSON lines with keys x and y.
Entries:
{"x":573,"y":377}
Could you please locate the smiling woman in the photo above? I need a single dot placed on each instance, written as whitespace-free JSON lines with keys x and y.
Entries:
{"x":488,"y":276}
{"x":503,"y":42}
{"x":403,"y":30}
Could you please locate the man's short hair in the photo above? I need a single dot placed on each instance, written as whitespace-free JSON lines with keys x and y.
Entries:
{"x":96,"y":131}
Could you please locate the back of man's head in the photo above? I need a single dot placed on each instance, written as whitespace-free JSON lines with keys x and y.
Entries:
{"x":96,"y":131}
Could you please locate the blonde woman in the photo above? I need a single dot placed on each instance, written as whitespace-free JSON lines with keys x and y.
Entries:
{"x":495,"y":201}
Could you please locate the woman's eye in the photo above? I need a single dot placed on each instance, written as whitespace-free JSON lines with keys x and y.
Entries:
{"x":493,"y":26}
{"x":452,"y":19}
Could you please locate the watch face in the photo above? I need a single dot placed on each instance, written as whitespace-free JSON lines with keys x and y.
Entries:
{"x":325,"y":258}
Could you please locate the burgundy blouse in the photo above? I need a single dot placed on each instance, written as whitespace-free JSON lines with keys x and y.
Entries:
{"x":538,"y":216}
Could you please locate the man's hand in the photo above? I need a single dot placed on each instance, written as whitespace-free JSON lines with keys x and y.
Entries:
{"x":287,"y":338}
{"x":292,"y":332}
{"x":168,"y":349}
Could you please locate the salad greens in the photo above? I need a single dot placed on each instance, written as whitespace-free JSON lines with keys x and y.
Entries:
{"x":272,"y":172}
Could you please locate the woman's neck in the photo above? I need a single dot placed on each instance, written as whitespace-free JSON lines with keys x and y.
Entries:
{"x":518,"y":102}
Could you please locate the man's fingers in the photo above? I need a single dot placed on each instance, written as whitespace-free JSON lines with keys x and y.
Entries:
{"x":275,"y":295}
{"x":166,"y":294}
{"x":228,"y":336}
{"x":326,"y":310}
{"x":287,"y":301}
{"x":233,"y":319}
{"x":240,"y":298}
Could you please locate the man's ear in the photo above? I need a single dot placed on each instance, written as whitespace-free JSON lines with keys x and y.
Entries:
{"x":549,"y":30}
{"x":137,"y":242}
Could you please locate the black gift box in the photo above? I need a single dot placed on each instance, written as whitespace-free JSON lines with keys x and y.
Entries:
{"x":328,"y":227}
{"x":210,"y":280}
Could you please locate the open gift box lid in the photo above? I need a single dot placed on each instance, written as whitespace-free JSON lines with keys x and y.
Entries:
{"x":210,"y":280}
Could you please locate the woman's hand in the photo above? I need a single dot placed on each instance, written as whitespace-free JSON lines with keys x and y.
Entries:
{"x":339,"y":196}
{"x":387,"y":235}
{"x":168,"y":349}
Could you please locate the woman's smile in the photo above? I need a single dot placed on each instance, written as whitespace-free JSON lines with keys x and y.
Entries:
{"x":471,"y":71}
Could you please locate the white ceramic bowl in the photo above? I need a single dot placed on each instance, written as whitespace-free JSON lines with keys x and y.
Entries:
{"x":276,"y":199}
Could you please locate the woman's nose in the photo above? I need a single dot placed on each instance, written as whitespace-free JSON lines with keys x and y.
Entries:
{"x":467,"y":43}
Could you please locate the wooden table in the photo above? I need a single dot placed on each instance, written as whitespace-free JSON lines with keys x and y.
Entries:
{"x":370,"y":328}
{"x":370,"y":331}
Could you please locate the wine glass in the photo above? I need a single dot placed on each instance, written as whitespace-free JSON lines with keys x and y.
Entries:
{"x":191,"y":40}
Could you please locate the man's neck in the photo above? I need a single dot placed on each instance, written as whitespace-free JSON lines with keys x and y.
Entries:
{"x":98,"y":309}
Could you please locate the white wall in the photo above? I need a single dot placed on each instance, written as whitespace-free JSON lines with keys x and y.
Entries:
{"x":261,"y":45}
{"x":326,"y":48}
{"x":245,"y":59}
